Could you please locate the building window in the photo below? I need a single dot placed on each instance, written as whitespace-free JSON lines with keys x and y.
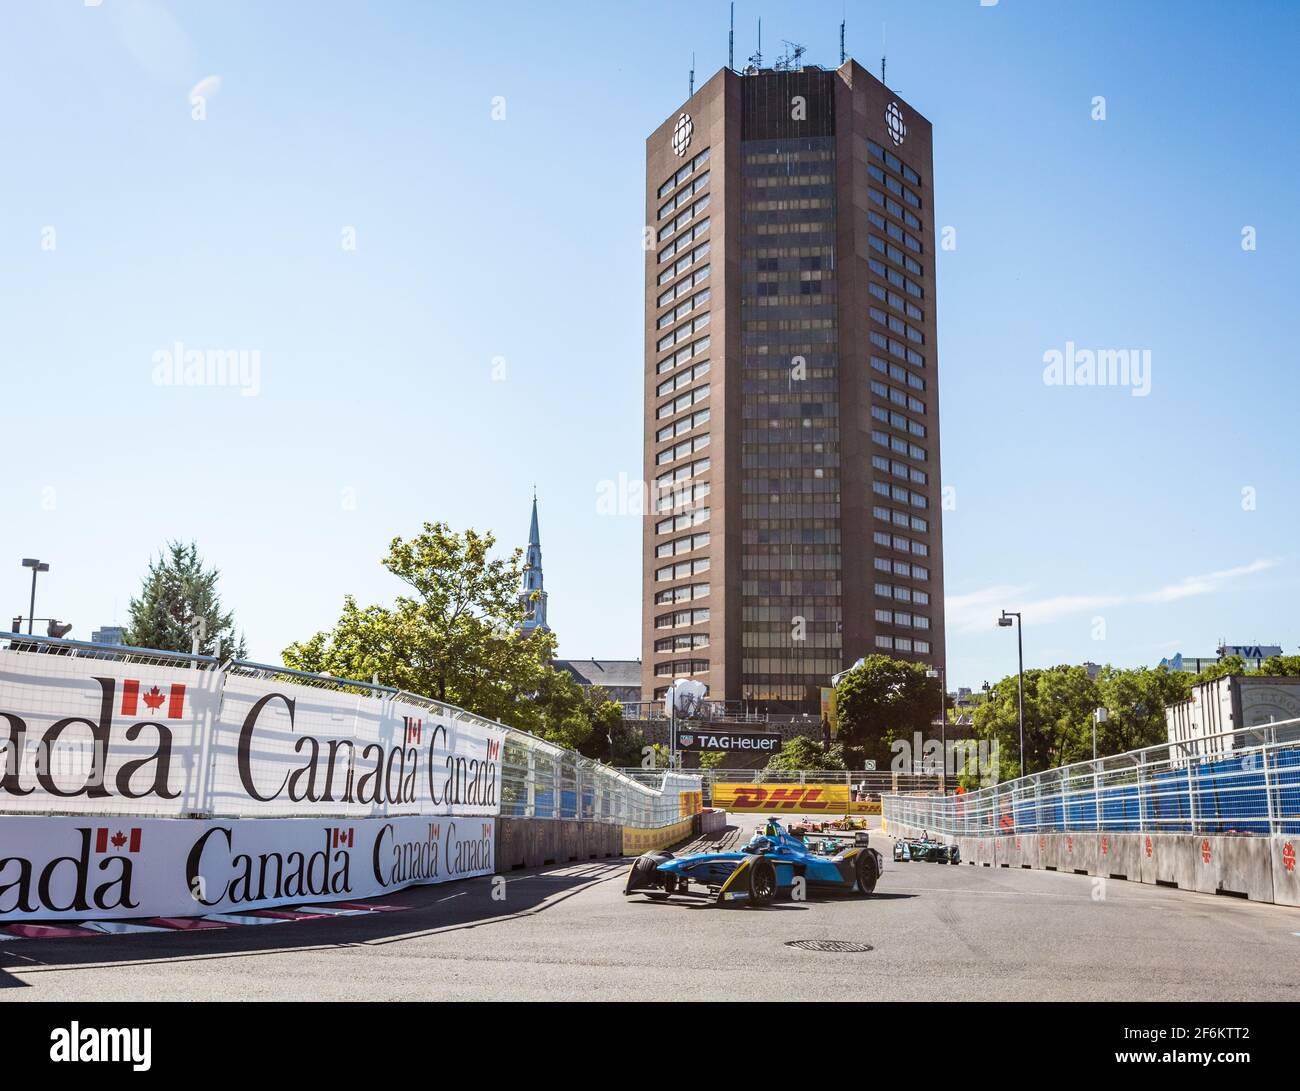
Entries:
{"x":686,"y":593}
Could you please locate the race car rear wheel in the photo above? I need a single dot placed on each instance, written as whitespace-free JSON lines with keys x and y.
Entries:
{"x":762,"y":882}
{"x":866,"y":872}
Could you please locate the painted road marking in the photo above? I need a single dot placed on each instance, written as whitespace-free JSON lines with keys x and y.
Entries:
{"x":120,"y":928}
{"x":239,"y":918}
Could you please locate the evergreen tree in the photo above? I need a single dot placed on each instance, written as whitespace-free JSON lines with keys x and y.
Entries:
{"x":178,"y":591}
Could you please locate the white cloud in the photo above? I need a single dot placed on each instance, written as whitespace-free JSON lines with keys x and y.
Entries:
{"x":978,"y":610}
{"x":206,"y":87}
{"x":1205,"y":585}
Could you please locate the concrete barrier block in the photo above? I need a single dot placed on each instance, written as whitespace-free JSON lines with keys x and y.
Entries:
{"x":1147,"y":858}
{"x":1172,"y":855}
{"x":1233,"y":865}
{"x":1119,"y":856}
{"x":1283,"y":853}
{"x":1081,"y":852}
{"x":1021,"y":850}
{"x":1051,"y":850}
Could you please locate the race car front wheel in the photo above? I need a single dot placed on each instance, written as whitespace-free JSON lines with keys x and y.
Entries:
{"x":866,"y":872}
{"x":646,"y":878}
{"x":762,"y":882}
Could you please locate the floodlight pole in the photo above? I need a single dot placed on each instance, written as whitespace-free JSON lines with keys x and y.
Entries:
{"x":1005,"y":621}
{"x":36,"y":566}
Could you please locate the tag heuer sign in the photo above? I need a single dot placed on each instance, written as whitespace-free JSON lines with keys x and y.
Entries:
{"x":760,"y":742}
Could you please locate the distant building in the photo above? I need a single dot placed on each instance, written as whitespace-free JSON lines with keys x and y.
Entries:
{"x":533,"y":595}
{"x":109,"y":634}
{"x":619,"y":678}
{"x":1200,"y":726}
{"x":1252,"y":654}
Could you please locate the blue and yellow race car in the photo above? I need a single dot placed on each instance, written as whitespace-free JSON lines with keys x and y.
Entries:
{"x":774,"y":863}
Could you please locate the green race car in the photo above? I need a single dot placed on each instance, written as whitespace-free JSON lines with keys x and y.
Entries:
{"x":926,"y":848}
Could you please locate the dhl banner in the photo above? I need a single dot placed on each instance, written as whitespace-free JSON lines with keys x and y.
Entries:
{"x":789,"y":799}
{"x":691,"y":803}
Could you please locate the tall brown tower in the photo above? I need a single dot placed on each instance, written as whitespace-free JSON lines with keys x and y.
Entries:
{"x":792,"y":409}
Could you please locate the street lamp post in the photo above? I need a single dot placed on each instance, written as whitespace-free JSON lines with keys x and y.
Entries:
{"x":943,"y":727}
{"x":36,"y":567}
{"x":1005,"y":622}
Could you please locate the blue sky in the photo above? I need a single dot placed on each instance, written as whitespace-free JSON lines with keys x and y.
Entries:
{"x":486,"y":332}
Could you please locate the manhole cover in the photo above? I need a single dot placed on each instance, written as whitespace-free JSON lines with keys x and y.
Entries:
{"x":834,"y":946}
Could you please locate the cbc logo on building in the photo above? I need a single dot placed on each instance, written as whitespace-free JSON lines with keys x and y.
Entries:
{"x":894,"y":123}
{"x":682,"y":134}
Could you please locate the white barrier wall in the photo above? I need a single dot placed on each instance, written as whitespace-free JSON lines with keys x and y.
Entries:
{"x":103,"y":737}
{"x":99,"y":737}
{"x":106,"y":868}
{"x":284,"y":749}
{"x":134,"y":790}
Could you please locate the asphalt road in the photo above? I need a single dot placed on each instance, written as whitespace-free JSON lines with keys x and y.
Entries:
{"x":569,"y":933}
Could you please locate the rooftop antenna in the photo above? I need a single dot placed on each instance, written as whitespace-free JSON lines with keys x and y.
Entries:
{"x":692,"y":84}
{"x":790,"y":60}
{"x":882,"y":53}
{"x":731,"y":39}
{"x":841,"y":41}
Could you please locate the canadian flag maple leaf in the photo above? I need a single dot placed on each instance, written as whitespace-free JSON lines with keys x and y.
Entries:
{"x":154,"y":699}
{"x":118,"y":839}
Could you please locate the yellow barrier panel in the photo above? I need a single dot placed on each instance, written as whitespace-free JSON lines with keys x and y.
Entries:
{"x":637,"y":841}
{"x":691,"y":803}
{"x":790,"y":799}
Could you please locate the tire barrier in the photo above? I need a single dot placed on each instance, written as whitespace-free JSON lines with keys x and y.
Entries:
{"x":712,"y":821}
{"x":537,"y":842}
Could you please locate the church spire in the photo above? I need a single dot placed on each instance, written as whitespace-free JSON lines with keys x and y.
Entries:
{"x":533,"y":595}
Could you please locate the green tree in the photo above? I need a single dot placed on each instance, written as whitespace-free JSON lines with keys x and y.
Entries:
{"x":1135,"y":703}
{"x":802,"y":752}
{"x":455,"y":637}
{"x":1059,"y":702}
{"x":1278,"y":666}
{"x":1229,"y":664}
{"x":179,"y":597}
{"x":882,"y":699}
{"x":1059,"y":706}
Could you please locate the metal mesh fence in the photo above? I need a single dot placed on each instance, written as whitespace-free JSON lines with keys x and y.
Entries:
{"x":539,"y":779}
{"x":1245,"y":781}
